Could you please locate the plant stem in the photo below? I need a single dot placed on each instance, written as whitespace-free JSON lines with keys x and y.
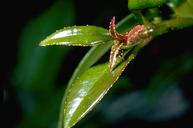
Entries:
{"x":172,"y":24}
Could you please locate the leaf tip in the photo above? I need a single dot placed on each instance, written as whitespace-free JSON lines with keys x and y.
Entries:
{"x":42,"y":43}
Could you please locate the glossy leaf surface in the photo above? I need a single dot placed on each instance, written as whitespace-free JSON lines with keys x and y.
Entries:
{"x":78,"y":36}
{"x":88,"y":89}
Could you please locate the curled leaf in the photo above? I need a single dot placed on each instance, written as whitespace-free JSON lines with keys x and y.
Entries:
{"x":115,"y":49}
{"x":78,"y":36}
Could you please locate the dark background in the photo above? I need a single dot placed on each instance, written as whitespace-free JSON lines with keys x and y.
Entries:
{"x":169,"y":57}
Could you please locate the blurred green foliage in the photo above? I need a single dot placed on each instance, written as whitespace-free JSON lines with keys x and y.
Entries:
{"x":37,"y":68}
{"x":36,"y":64}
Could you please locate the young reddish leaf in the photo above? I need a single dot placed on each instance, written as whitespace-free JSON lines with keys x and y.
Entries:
{"x":115,"y":49}
{"x":136,"y":35}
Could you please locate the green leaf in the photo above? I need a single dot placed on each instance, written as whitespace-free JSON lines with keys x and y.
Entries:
{"x":78,"y":36}
{"x":142,"y":4}
{"x":88,"y":89}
